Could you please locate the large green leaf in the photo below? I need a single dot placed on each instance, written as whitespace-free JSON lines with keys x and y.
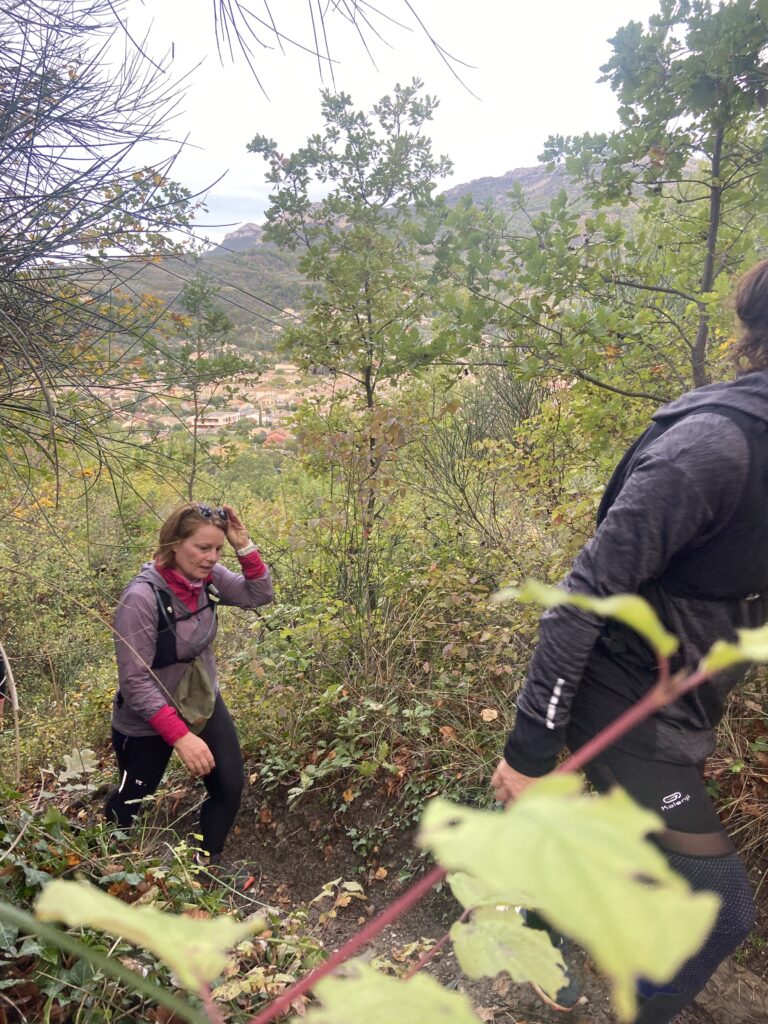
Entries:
{"x":751,"y":645}
{"x":496,"y":939}
{"x":630,"y":609}
{"x":378,"y":999}
{"x":472,"y":892}
{"x":583,"y":862}
{"x":193,"y":949}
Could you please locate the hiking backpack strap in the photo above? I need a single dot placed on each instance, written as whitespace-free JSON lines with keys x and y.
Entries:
{"x":620,"y":474}
{"x":165,"y":649}
{"x":731,"y":561}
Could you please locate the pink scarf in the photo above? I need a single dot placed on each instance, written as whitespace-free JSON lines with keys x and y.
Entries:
{"x":186,"y":590}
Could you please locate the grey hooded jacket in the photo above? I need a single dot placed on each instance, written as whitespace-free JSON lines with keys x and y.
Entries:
{"x":681,"y":485}
{"x":143,"y":691}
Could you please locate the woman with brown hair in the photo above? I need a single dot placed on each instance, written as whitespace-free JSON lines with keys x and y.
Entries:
{"x":168,"y":697}
{"x":684,"y":523}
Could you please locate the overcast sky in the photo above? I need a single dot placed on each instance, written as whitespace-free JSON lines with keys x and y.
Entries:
{"x":535,"y":70}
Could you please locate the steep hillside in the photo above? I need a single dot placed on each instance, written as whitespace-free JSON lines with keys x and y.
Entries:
{"x":539,"y":184}
{"x":258,"y":280}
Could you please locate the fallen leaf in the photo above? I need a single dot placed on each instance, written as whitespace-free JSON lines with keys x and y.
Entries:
{"x":489,"y":714}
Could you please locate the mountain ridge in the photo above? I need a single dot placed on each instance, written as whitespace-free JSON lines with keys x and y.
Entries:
{"x":539,"y":183}
{"x":257,"y":280}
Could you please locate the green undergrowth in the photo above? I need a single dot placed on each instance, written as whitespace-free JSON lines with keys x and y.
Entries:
{"x":413,"y":700}
{"x":143,"y":868}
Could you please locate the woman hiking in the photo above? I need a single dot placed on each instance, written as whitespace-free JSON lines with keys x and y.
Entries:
{"x":683,"y":523}
{"x":168,"y":697}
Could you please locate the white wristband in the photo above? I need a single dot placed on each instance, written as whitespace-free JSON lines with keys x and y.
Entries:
{"x":249,"y":548}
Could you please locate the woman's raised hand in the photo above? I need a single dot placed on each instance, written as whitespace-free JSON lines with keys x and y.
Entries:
{"x":237,"y":535}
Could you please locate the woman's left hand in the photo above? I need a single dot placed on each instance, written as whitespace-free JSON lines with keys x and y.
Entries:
{"x":237,"y":535}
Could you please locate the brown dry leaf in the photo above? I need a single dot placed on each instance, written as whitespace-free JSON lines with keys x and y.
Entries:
{"x":380,"y":874}
{"x":501,"y":985}
{"x":162,"y":1015}
{"x":448,"y":733}
{"x":112,"y":869}
{"x":426,"y":668}
{"x":265,"y":816}
{"x":489,"y":714}
{"x":753,"y":810}
{"x":486,"y":1013}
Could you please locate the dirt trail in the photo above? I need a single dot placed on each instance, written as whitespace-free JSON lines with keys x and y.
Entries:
{"x":296,"y":851}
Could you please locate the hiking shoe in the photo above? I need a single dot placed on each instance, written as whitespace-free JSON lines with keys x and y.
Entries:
{"x":570,"y":995}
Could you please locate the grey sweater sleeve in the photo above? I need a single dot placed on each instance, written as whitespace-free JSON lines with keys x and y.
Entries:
{"x":686,"y":480}
{"x":135,"y":631}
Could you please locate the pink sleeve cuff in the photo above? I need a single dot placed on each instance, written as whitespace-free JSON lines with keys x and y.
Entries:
{"x":168,"y":724}
{"x":253,"y":566}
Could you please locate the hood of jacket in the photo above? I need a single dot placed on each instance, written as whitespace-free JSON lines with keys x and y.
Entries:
{"x":149,"y":574}
{"x":748,"y":393}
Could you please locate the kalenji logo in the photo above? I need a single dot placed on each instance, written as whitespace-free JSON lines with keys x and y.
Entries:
{"x":672,"y":800}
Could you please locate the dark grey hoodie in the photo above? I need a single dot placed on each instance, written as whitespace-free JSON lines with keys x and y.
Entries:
{"x":680,"y":487}
{"x":144,"y":691}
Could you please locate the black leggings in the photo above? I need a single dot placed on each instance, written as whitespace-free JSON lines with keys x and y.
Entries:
{"x":698,"y":848}
{"x":142,"y":761}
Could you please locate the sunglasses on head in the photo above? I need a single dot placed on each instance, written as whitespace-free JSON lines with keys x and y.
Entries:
{"x":208,"y":513}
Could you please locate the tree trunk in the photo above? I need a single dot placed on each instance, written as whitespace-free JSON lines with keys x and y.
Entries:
{"x":699,"y":354}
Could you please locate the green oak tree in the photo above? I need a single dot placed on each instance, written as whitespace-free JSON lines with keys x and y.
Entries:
{"x":363,"y":248}
{"x":628,"y":296}
{"x":367,"y":252}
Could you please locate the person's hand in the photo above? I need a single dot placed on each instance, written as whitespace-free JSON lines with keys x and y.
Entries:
{"x":508,"y":784}
{"x":237,"y":535}
{"x":195,"y":753}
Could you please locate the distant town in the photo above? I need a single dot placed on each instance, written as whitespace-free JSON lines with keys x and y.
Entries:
{"x":267,"y":403}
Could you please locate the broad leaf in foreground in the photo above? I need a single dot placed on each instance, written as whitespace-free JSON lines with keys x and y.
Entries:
{"x":496,"y":939}
{"x":473,"y":893}
{"x":378,"y":999}
{"x":583,"y":862}
{"x":630,"y":609}
{"x":751,"y":645}
{"x":193,"y":949}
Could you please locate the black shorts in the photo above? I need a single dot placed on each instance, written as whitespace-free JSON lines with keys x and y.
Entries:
{"x":676,"y":792}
